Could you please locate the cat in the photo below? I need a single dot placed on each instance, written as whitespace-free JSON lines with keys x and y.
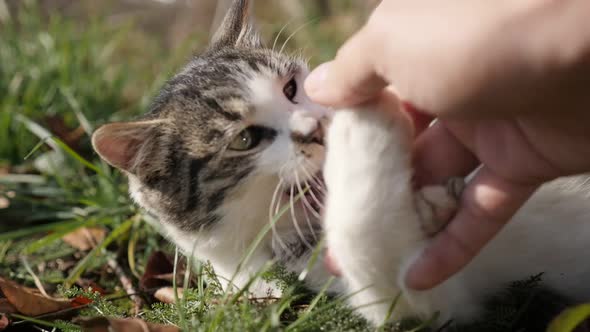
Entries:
{"x":232,"y":138}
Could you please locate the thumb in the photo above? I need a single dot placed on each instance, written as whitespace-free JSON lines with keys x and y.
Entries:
{"x":487,"y":204}
{"x":351,"y":78}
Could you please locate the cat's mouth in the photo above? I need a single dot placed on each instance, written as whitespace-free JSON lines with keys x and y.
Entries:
{"x":309,"y":193}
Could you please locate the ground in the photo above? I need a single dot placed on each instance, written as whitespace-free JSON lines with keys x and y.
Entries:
{"x":72,"y":246}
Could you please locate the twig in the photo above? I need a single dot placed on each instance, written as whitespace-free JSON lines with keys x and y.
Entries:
{"x":126,"y":283}
{"x":34,"y":276}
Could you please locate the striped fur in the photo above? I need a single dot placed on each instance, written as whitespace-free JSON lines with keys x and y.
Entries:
{"x":208,"y":197}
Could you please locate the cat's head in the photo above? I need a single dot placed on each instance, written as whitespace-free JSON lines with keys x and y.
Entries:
{"x":228,"y":128}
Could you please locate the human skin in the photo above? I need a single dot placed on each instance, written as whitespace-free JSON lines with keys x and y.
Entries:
{"x":509,"y":83}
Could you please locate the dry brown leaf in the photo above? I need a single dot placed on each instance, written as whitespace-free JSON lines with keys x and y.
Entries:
{"x":6,"y":307}
{"x":166,"y":294}
{"x":158,"y":271}
{"x":102,"y":324}
{"x":71,"y":136}
{"x":85,"y":238}
{"x":29,"y":301}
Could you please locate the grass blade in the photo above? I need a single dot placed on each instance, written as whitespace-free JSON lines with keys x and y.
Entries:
{"x":79,"y":269}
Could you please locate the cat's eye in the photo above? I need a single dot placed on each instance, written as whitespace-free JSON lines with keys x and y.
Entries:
{"x":290,"y":90}
{"x":250,"y":138}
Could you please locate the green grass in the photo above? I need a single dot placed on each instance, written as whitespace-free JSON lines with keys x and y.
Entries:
{"x":61,"y":78}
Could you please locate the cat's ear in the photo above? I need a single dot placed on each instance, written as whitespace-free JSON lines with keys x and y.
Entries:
{"x":235,"y":29}
{"x":121,"y":144}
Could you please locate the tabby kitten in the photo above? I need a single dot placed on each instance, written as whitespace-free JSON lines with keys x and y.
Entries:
{"x":229,"y":139}
{"x":232,"y":137}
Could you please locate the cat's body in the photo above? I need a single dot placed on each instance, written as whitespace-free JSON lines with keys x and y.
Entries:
{"x":231,"y":139}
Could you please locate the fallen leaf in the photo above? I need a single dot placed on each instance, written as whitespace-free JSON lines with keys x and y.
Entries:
{"x":30,"y":301}
{"x":166,"y":294}
{"x":87,"y":283}
{"x":80,"y":300}
{"x":103,"y":324}
{"x":85,"y":238}
{"x":6,"y":307}
{"x":71,"y":136}
{"x":158,"y":272}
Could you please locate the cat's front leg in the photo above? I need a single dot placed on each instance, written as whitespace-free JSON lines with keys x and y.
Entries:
{"x":370,"y":218}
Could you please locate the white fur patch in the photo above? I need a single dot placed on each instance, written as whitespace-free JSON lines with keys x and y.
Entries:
{"x":373,"y":230}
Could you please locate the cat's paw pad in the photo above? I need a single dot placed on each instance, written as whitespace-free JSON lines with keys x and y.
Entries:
{"x":455,"y":187}
{"x":437,"y":205}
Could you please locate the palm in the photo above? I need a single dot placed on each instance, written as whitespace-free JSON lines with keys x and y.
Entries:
{"x":525,"y":150}
{"x":517,"y":155}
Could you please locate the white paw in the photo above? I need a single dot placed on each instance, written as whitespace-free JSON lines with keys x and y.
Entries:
{"x":370,"y":219}
{"x":365,"y":143}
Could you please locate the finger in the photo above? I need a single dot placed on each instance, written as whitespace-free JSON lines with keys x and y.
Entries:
{"x":350,"y":78}
{"x":420,"y":119}
{"x":487,"y":205}
{"x":439,"y":155}
{"x":331,"y":265}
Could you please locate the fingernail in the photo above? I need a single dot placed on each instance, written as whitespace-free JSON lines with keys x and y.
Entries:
{"x":315,"y":83}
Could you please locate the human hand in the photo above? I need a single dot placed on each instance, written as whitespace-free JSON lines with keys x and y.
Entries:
{"x":508,"y":85}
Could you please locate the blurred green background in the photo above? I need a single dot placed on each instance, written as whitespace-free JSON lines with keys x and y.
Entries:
{"x":66,"y":67}
{"x":70,"y":66}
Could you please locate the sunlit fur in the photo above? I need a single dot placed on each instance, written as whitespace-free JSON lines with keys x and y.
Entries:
{"x":373,"y":228}
{"x":213,"y":201}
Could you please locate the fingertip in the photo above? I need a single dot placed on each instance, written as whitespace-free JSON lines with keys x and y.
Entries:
{"x":315,"y":84}
{"x":331,"y":265}
{"x":350,"y":79}
{"x":432,"y":266}
{"x":419,"y":276}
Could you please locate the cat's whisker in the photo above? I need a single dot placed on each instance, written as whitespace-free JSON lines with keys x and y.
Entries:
{"x":317,"y":185}
{"x":306,"y":205}
{"x":313,"y":178}
{"x":274,"y":44}
{"x":308,"y":220}
{"x":299,"y":54}
{"x":294,"y":33}
{"x":313,"y":196}
{"x":294,"y":218}
{"x":273,"y":201}
{"x":305,"y":169}
{"x":276,"y":201}
{"x":309,"y":165}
